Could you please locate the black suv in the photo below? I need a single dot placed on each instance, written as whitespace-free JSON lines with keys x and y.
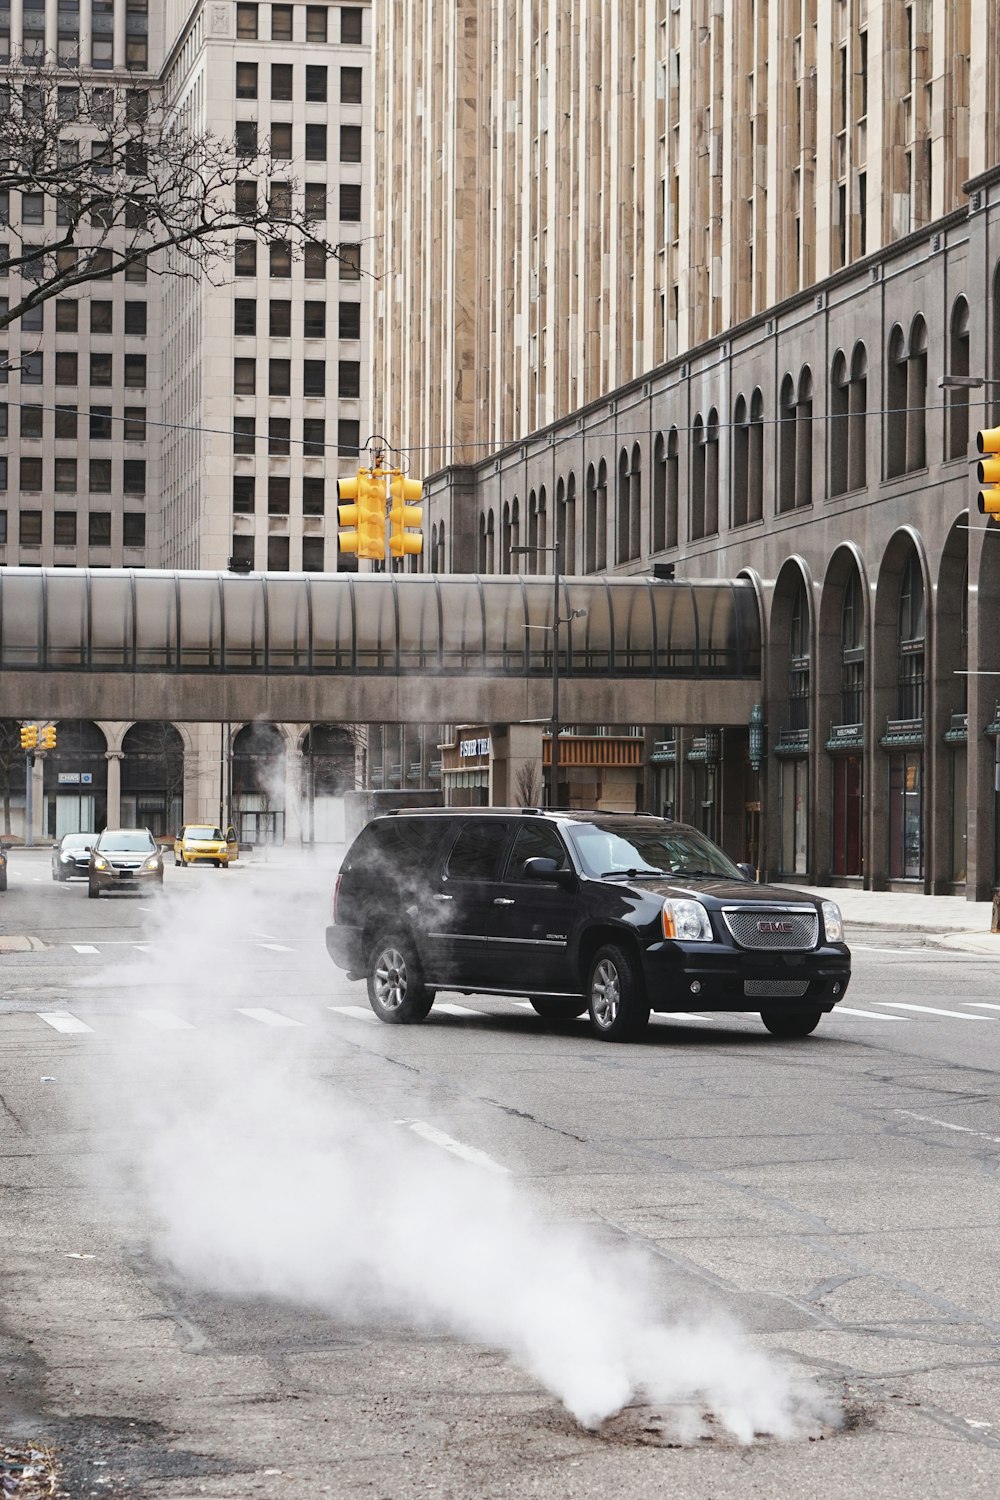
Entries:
{"x":620,"y":914}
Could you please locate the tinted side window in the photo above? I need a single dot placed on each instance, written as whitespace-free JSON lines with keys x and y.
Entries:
{"x":534,"y":841}
{"x":405,"y":844}
{"x":477,"y":851}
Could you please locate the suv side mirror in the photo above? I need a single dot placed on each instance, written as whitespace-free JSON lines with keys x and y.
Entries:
{"x":542,"y":868}
{"x":748,"y":871}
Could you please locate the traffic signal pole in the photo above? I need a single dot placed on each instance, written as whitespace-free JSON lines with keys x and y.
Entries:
{"x":29,"y":810}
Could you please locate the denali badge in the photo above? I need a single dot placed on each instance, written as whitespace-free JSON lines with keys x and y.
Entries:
{"x":774,"y":926}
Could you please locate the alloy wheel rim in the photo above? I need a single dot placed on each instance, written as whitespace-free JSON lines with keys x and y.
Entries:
{"x":605,"y":994}
{"x":390,"y":979}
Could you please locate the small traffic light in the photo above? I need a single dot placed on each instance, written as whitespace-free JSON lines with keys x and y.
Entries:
{"x":29,"y":736}
{"x":988,"y":471}
{"x":363,"y":521}
{"x":405,"y":518}
{"x":47,"y":738}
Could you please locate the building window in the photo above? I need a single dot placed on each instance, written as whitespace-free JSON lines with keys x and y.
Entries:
{"x":314,"y":377}
{"x":350,"y":25}
{"x":281,"y":81}
{"x":350,"y":85}
{"x":246,"y":257}
{"x":313,"y":550}
{"x":242,"y":549}
{"x":350,"y":143}
{"x":101,"y":317}
{"x":281,"y":23}
{"x":244,"y":434}
{"x":67,"y":425}
{"x":135,"y":424}
{"x":135,"y":370}
{"x":246,"y":197}
{"x":244,"y":377}
{"x":349,"y":261}
{"x":32,"y":208}
{"x":314,"y":262}
{"x":958,"y":364}
{"x":243,"y":494}
{"x":277,"y":554}
{"x":350,"y":202}
{"x":279,"y":431}
{"x":315,"y":200}
{"x":798,"y":663}
{"x":314,"y":320}
{"x":100,"y":423}
{"x":313,"y":437}
{"x":134,"y":529}
{"x":910,"y":643}
{"x":349,"y":377}
{"x":786,"y":445}
{"x":281,"y":140}
{"x":705,"y":476}
{"x":279,"y":382}
{"x":316,"y":86}
{"x":245,"y":316}
{"x":852,"y":653}
{"x":100,"y":476}
{"x":316,"y":23}
{"x":906,"y":394}
{"x":278,"y":494}
{"x":348,"y":438}
{"x":281,"y":259}
{"x":848,"y":413}
{"x":246,"y":22}
{"x":66,"y":476}
{"x":67,"y":315}
{"x":135,"y":319}
{"x":30,"y":527}
{"x":316,"y":143}
{"x":313,"y":499}
{"x":31,"y":421}
{"x":246,"y":80}
{"x":349,"y":320}
{"x":279,"y":322}
{"x":134,"y":476}
{"x":804,"y":439}
{"x":99,"y":528}
{"x":65,"y":528}
{"x":33,"y":368}
{"x":739,"y":499}
{"x":246,"y":138}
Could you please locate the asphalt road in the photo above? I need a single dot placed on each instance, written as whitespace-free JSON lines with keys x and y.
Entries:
{"x":255,"y":1243}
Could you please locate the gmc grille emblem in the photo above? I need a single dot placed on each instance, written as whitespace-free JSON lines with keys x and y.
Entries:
{"x":774,"y":926}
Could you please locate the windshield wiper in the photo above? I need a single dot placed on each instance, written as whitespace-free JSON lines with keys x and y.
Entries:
{"x":646,"y":874}
{"x":704,"y":874}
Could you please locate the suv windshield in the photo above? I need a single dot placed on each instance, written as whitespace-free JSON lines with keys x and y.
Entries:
{"x":672,"y":849}
{"x":129,"y":840}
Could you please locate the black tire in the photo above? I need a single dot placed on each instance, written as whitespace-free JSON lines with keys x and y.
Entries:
{"x":217,"y":863}
{"x":176,"y":862}
{"x":791,"y":1023}
{"x":3,"y":880}
{"x":619,"y":1010}
{"x":557,"y":1010}
{"x":396,"y":990}
{"x":93,"y":891}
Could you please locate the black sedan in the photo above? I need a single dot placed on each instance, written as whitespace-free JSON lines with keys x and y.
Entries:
{"x":71,"y":856}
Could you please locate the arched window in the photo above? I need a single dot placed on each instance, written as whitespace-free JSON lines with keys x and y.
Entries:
{"x":916,"y":397}
{"x":712,"y":473}
{"x":481,"y":552}
{"x":623,"y":527}
{"x":514,"y":539}
{"x":958,"y":364}
{"x":804,"y":439}
{"x":570,"y":556}
{"x":852,"y":653}
{"x":673,"y":487}
{"x":658,"y":509}
{"x":895,"y":397}
{"x":542,"y":523}
{"x":786,"y":445}
{"x":755,"y":461}
{"x":530,"y":562}
{"x":910,"y":642}
{"x":440,"y":561}
{"x":601,"y":538}
{"x":635,"y":504}
{"x":739,"y":499}
{"x":839,"y":430}
{"x":505,"y":538}
{"x":491,"y":556}
{"x":857,"y":425}
{"x":798,"y":662}
{"x":697,"y":518}
{"x":590,"y":522}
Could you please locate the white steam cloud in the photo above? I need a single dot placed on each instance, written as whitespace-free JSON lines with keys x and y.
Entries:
{"x":262,"y":1181}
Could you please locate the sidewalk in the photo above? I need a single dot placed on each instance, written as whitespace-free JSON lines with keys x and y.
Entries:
{"x":945,"y":921}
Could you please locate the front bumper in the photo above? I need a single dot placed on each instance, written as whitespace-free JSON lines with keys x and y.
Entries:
{"x":706,"y":976}
{"x":122,"y":880}
{"x":204,"y":856}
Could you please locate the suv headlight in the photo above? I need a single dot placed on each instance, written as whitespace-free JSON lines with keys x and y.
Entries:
{"x":687,"y":921}
{"x":152,"y":863}
{"x":100,"y":863}
{"x":833,"y":922}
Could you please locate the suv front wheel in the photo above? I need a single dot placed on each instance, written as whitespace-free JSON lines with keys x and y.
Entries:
{"x":792,"y":1022}
{"x":396,"y":990}
{"x":619,"y":1010}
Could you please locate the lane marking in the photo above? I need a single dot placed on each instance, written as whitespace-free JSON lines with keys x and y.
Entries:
{"x":873,"y":1015}
{"x":61,"y":1020}
{"x":932,"y":1010}
{"x":456,"y":1148}
{"x":165,"y":1020}
{"x":948,"y":1125}
{"x":935,"y":953}
{"x":981,"y":1004}
{"x":276,"y":947}
{"x":266,"y":1017}
{"x":84,"y":948}
{"x":356,"y":1013}
{"x":141,"y":948}
{"x":688,"y":1015}
{"x":456,"y":1010}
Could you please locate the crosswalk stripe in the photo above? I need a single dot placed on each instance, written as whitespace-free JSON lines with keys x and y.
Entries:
{"x":165,"y":1020}
{"x":871,"y":1015}
{"x":83,"y":948}
{"x":932,"y":1010}
{"x":356,"y":1012}
{"x":61,"y":1020}
{"x":455,"y":1148}
{"x":266,"y":1017}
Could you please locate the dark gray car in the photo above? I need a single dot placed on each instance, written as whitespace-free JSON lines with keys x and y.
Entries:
{"x":71,"y":856}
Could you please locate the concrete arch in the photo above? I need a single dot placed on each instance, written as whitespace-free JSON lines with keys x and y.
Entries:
{"x":793,"y":575}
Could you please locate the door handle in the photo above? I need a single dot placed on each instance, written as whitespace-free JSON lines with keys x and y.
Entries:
{"x":439,"y":897}
{"x":503,"y":901}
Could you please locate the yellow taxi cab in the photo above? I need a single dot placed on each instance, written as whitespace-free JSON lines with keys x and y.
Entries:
{"x":201,"y":844}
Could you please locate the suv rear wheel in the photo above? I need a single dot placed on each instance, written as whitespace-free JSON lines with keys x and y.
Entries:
{"x":556,"y":1010}
{"x":619,"y":1010}
{"x":792,"y":1023}
{"x":396,"y":990}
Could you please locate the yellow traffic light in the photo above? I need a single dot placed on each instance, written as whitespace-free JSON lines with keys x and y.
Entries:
{"x":47,"y":738}
{"x":29,"y":736}
{"x":363,"y":521}
{"x":405,"y":518}
{"x":988,"y":471}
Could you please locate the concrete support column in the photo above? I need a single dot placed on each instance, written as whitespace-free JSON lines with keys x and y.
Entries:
{"x":114,"y":759}
{"x":17,"y":25}
{"x":119,"y":34}
{"x":51,"y":36}
{"x":86,"y":33}
{"x":38,"y":799}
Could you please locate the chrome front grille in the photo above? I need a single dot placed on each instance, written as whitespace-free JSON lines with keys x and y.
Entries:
{"x":756,"y":927}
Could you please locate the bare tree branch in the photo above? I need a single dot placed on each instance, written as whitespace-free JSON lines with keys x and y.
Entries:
{"x":108,"y":177}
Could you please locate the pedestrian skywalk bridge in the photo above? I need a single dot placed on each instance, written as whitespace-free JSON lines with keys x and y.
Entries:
{"x":80,"y":1022}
